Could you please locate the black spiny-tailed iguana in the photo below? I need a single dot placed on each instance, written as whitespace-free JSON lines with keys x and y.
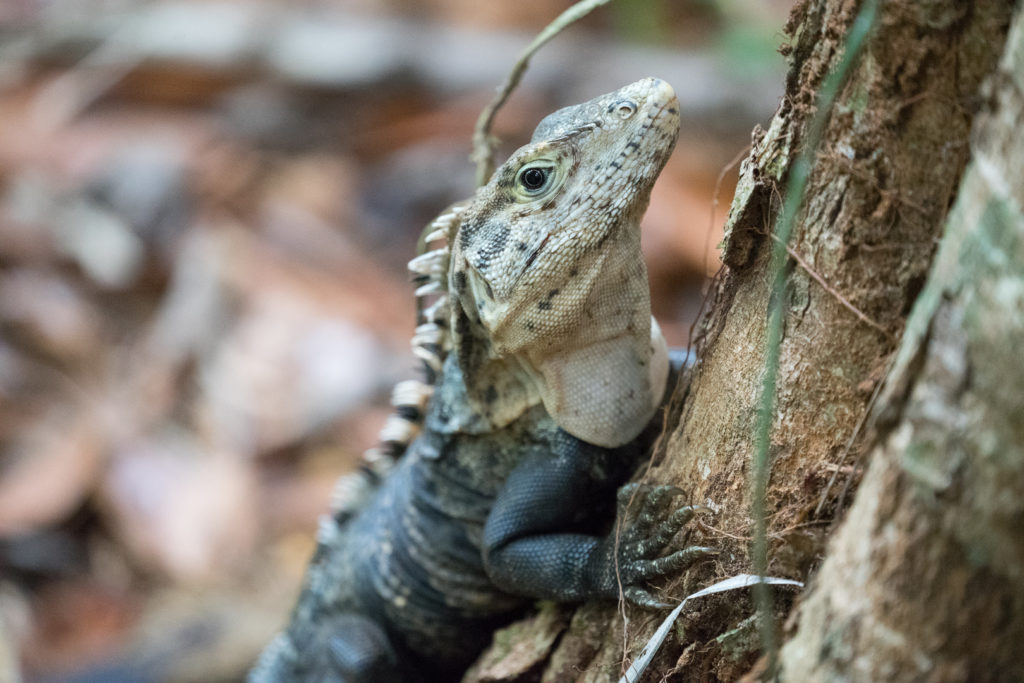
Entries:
{"x":548,"y":369}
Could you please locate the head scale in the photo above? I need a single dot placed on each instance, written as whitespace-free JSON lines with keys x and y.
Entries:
{"x":546,"y":266}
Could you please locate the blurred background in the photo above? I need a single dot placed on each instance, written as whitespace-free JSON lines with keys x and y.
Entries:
{"x":205,"y":213}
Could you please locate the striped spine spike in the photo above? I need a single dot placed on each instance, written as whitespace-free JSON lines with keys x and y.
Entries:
{"x":429,"y":271}
{"x":409,"y":399}
{"x":430,"y":343}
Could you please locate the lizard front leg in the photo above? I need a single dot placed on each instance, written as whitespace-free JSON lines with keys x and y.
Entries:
{"x":528,"y":551}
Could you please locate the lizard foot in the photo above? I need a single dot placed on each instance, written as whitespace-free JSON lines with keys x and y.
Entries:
{"x":651,"y":532}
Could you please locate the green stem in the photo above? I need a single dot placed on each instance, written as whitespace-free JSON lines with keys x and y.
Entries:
{"x":780,"y":264}
{"x":483,"y":143}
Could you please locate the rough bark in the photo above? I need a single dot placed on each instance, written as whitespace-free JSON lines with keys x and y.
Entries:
{"x":885,"y":174}
{"x":925,"y":579}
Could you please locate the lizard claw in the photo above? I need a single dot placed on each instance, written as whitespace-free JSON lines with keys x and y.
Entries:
{"x":651,"y":499}
{"x":650,"y":534}
{"x":675,"y":523}
{"x":680,"y":559}
{"x":642,"y":598}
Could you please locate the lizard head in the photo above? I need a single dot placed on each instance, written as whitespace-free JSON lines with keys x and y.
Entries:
{"x":547,"y":274}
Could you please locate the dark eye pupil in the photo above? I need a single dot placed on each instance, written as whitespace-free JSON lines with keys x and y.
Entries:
{"x":533,"y":179}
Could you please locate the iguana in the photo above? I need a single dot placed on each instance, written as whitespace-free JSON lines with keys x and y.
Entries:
{"x":549,"y":369}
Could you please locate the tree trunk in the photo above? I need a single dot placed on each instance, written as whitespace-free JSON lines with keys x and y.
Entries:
{"x":885,"y":173}
{"x":925,"y":579}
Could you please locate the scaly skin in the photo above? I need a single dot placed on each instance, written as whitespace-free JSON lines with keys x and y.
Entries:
{"x":556,"y":369}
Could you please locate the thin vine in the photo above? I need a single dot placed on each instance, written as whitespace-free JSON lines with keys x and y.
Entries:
{"x":483,"y":142}
{"x":796,"y":189}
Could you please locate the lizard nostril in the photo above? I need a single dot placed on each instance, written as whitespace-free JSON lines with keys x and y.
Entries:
{"x":626,"y":109}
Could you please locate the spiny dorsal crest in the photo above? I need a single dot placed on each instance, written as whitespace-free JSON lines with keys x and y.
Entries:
{"x":551,"y":300}
{"x":430,"y":343}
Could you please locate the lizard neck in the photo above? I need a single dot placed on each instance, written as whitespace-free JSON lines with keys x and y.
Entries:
{"x":599,"y":366}
{"x":481,"y":392}
{"x":604,"y":378}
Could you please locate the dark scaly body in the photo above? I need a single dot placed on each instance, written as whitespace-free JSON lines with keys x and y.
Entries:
{"x":413,"y":559}
{"x":497,"y":502}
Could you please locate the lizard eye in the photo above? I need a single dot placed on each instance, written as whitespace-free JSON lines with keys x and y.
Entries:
{"x":534,"y":178}
{"x":539,"y":178}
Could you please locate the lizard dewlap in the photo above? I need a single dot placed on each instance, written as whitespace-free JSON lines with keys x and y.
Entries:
{"x":546,"y":366}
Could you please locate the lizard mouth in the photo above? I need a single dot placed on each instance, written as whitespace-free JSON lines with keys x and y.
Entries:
{"x":664,"y":92}
{"x":662,"y":107}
